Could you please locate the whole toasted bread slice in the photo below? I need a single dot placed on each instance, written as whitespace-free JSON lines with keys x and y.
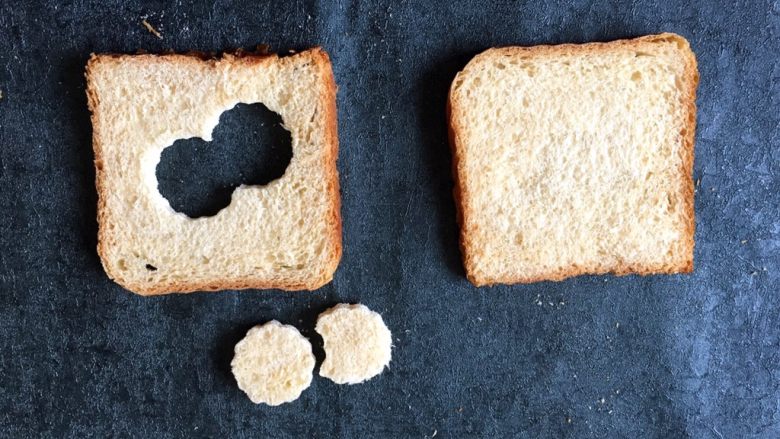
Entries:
{"x":575,"y":159}
{"x":286,"y":234}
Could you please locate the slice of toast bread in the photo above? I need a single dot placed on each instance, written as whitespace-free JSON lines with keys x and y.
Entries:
{"x":286,"y":234}
{"x":575,"y":159}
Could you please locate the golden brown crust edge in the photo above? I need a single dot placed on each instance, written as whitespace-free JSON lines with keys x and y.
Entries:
{"x":97,"y":147}
{"x":690,"y":75}
{"x":458,"y":188}
{"x":327,"y":102}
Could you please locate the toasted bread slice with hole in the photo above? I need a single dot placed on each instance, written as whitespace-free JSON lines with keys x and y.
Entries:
{"x":575,"y":159}
{"x":286,"y":234}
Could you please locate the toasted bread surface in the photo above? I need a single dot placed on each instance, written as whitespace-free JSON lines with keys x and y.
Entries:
{"x":575,"y":159}
{"x":286,"y":234}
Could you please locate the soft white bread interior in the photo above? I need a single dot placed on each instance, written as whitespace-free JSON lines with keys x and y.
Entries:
{"x":286,"y":234}
{"x":273,"y":363}
{"x":575,"y":159}
{"x":356,"y":341}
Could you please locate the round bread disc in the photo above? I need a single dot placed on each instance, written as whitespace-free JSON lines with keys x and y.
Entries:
{"x":356,"y":341}
{"x":273,"y":363}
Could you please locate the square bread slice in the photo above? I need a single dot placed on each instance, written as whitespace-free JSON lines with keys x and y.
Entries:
{"x":575,"y":159}
{"x":286,"y":234}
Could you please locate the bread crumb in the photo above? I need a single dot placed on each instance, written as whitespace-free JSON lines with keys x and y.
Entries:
{"x":743,"y":242}
{"x":151,"y":29}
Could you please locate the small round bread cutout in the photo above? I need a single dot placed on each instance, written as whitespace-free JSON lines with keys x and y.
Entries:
{"x":356,"y":341}
{"x":273,"y":364}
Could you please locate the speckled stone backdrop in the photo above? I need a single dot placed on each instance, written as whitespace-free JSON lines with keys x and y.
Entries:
{"x":595,"y":356}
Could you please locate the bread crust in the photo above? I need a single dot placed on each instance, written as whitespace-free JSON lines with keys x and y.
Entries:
{"x":462,"y":197}
{"x":327,"y":102}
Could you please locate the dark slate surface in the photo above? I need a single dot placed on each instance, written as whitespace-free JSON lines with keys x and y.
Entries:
{"x":662,"y":356}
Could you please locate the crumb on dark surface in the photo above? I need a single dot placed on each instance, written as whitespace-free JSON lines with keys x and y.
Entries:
{"x":151,"y":29}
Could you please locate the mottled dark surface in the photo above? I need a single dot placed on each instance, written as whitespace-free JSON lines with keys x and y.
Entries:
{"x":662,"y":356}
{"x":249,"y":146}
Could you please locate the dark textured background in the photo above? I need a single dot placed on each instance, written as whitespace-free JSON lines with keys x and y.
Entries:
{"x":594,"y":356}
